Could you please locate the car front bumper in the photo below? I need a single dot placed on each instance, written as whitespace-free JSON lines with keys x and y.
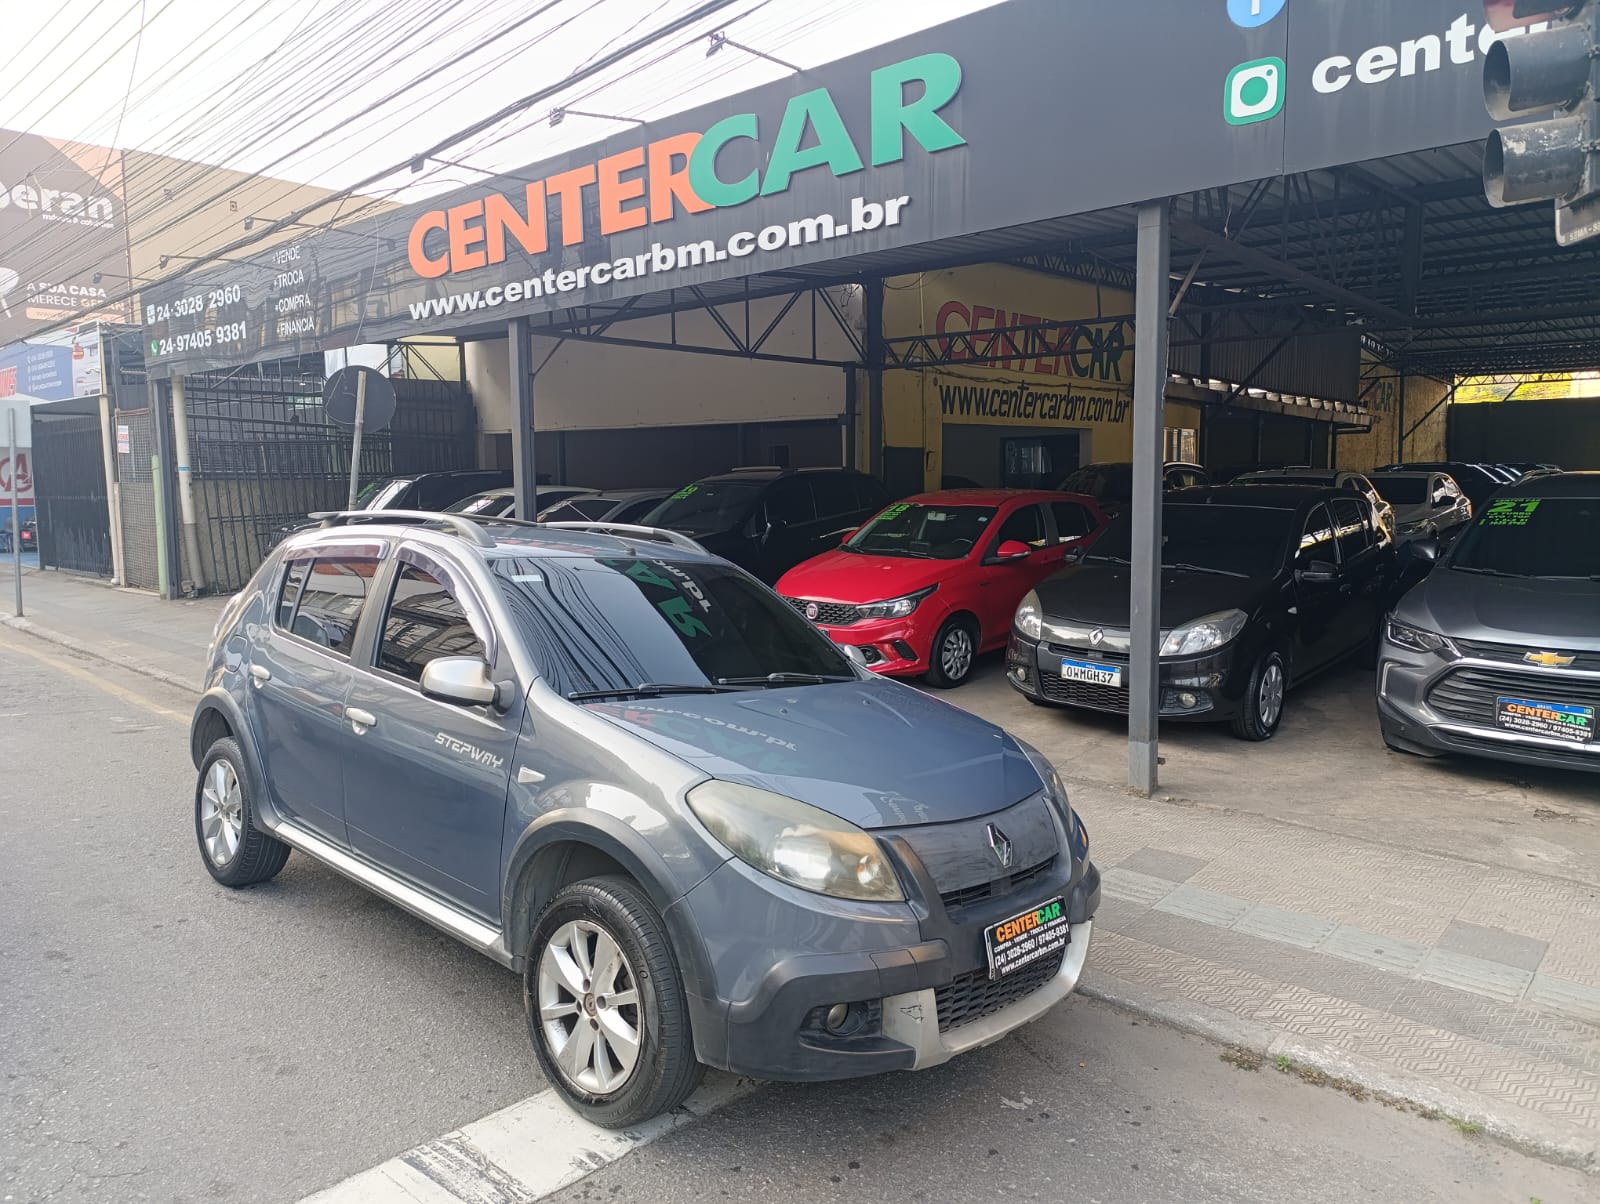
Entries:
{"x":1200,"y":689}
{"x":892,"y":647}
{"x":767,"y":1017}
{"x":1433,"y":706}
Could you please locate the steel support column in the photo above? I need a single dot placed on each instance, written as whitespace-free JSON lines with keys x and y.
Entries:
{"x":873,"y":290}
{"x":849,"y":449}
{"x":524,"y":476}
{"x":1149,"y":419}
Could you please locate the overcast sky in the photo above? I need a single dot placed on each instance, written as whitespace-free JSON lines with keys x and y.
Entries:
{"x":245,"y":85}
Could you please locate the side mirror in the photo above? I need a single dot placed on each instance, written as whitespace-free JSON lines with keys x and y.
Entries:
{"x":1075,"y":554}
{"x":1425,"y":550}
{"x":1012,"y":550}
{"x":459,"y":679}
{"x":1319,"y":572}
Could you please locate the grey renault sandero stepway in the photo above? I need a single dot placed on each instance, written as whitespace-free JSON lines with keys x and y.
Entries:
{"x":628,"y":771}
{"x":1497,"y":652}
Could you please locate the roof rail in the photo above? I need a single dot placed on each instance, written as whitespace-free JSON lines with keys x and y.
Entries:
{"x":458,"y":524}
{"x":761,"y":468}
{"x":658,"y":534}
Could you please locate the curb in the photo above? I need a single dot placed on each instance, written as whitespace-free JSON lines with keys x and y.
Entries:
{"x":1551,"y":1141}
{"x":74,"y":644}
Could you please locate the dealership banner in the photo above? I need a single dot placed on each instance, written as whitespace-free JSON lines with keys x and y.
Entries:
{"x":63,"y":235}
{"x":1024,"y":112}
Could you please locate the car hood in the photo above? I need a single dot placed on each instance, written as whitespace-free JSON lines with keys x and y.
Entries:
{"x":1506,"y":610}
{"x":1098,"y":594}
{"x":853,"y":577}
{"x":874,"y":752}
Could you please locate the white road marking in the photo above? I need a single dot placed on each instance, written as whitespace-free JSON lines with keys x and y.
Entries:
{"x":519,"y":1154}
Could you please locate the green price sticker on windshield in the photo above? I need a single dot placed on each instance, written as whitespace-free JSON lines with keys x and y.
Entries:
{"x":1510,"y":512}
{"x":894,"y":511}
{"x":684,"y":492}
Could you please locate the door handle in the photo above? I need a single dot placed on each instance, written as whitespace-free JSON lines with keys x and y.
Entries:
{"x":260,"y":675}
{"x":360,"y":721}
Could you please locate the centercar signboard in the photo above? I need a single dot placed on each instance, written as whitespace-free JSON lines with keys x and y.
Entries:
{"x":1027,"y":111}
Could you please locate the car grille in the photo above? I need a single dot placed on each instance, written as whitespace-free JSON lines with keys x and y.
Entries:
{"x":829,"y":614}
{"x":1468,"y":695}
{"x":1512,"y":654}
{"x":1100,"y":656}
{"x":965,"y":897}
{"x":973,"y":995}
{"x":1084,"y":693}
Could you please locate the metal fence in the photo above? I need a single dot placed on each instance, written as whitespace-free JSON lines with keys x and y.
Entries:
{"x":263,"y":455}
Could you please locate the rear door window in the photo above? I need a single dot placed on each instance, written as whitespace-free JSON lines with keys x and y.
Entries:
{"x":332,"y":599}
{"x":1351,"y":528}
{"x":1073,"y":521}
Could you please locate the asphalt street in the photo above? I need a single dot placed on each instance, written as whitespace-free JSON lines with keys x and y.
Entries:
{"x":164,"y":1039}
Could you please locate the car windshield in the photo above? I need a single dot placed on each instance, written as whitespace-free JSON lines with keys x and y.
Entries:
{"x":1402,"y":491}
{"x":1112,"y":482}
{"x":483,"y":503}
{"x":1533,"y":537}
{"x":1249,"y":541}
{"x":380,"y":495}
{"x":707,"y":506}
{"x":916,"y":529}
{"x":618,"y":623}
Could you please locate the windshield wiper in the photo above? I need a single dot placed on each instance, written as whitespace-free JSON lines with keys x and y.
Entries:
{"x":786,"y":679}
{"x":1106,"y":557}
{"x":1472,"y":568}
{"x":1204,"y":568}
{"x":651,"y":689}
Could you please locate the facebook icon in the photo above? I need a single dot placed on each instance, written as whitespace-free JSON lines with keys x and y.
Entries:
{"x":1250,"y":13}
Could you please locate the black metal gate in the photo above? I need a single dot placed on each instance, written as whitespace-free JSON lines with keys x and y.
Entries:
{"x":263,"y":455}
{"x":69,"y":489}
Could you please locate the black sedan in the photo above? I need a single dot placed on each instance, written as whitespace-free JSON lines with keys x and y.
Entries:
{"x":1262,"y":586}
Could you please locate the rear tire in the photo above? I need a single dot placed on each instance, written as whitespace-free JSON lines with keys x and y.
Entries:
{"x":235,"y":850}
{"x":954,"y":653}
{"x":605,"y":1003}
{"x":1263,"y":700}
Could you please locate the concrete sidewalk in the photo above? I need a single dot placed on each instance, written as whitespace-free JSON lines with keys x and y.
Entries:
{"x":1427,"y":931}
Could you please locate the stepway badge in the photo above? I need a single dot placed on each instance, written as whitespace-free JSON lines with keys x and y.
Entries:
{"x":1247,"y":14}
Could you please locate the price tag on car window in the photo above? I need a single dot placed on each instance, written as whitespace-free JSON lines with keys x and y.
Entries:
{"x":1510,"y":511}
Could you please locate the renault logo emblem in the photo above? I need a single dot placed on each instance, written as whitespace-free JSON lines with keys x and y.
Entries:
{"x":1097,"y":636}
{"x":1550,"y":660}
{"x":1001,"y":844}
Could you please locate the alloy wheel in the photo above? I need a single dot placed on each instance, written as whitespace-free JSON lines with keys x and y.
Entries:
{"x":1270,"y":698}
{"x":955,"y":654}
{"x":221,"y":813}
{"x":589,"y":1007}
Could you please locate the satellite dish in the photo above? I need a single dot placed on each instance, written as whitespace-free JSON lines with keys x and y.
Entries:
{"x":339,"y":398}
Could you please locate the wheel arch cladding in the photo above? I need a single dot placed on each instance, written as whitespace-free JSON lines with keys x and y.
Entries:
{"x":210,"y":724}
{"x":557,"y":851}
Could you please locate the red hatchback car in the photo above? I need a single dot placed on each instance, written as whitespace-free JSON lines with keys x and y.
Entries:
{"x":928,"y":583}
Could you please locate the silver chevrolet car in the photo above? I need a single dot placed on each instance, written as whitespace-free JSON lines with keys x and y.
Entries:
{"x":630,"y":772}
{"x":1497,"y":652}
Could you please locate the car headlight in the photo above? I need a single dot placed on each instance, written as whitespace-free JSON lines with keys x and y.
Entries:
{"x":1212,"y":631}
{"x":1029,"y":620}
{"x":796,"y":842}
{"x":1416,"y":639}
{"x":895,"y":608}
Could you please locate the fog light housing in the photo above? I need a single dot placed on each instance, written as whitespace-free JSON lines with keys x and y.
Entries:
{"x":837,"y":1015}
{"x":906,"y":651}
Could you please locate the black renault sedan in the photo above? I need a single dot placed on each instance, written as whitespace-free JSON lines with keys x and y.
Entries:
{"x":1262,"y":586}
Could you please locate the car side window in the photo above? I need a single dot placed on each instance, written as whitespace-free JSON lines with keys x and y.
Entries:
{"x":1026,"y":525}
{"x":1351,"y":527}
{"x":835,"y":495}
{"x":870,"y":496}
{"x":789,"y":502}
{"x":1073,"y":521}
{"x":289,"y":595}
{"x":1317,"y":542}
{"x":332,"y":599}
{"x":425,"y":620}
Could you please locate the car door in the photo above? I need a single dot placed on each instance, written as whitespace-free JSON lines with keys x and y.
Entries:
{"x":300,"y":675}
{"x":790,"y":532}
{"x":837,"y":505}
{"x":425,"y":779}
{"x":1001,"y":584}
{"x":1363,"y":570}
{"x":1317,"y":603}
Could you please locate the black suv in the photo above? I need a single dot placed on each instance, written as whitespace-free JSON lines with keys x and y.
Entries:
{"x":767,"y":520}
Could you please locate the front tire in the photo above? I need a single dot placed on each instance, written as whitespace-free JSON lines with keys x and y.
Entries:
{"x":606,"y":1010}
{"x":955,"y":652}
{"x":1263,"y":700}
{"x":235,"y":850}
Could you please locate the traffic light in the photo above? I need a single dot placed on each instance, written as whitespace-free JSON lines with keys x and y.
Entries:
{"x":1552,"y":70}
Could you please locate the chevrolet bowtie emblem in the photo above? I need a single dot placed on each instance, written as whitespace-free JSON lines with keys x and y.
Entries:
{"x":1550,"y":660}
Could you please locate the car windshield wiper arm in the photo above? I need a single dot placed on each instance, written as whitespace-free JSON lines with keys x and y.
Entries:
{"x":786,"y":679}
{"x":1202,"y":568}
{"x":651,"y":689}
{"x":1107,"y":557}
{"x":1472,"y":568}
